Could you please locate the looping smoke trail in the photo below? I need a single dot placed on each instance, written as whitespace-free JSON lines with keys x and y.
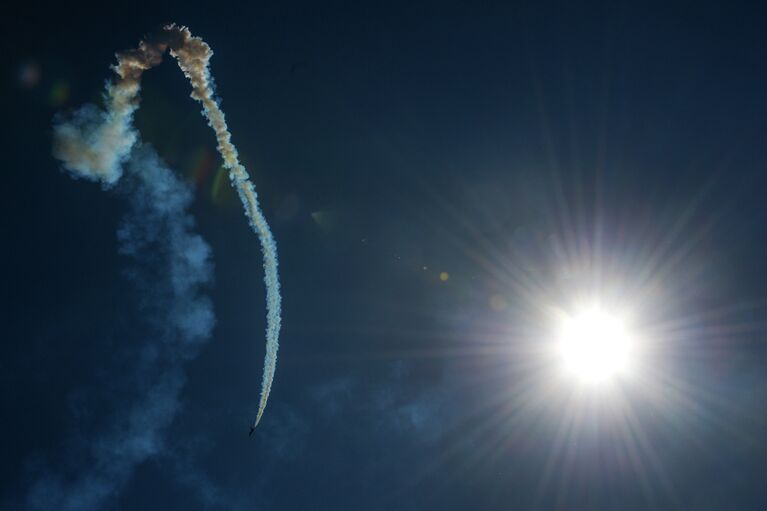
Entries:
{"x":96,"y":152}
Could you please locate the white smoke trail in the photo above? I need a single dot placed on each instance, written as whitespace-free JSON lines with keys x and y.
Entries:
{"x":193,"y":56}
{"x":95,"y":152}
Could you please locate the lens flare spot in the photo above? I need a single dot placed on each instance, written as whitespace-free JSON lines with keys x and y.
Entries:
{"x":59,"y":93}
{"x":498,"y":302}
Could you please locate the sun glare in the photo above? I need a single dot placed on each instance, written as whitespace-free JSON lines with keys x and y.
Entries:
{"x":595,"y":346}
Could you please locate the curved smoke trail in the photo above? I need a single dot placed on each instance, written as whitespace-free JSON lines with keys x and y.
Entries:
{"x":96,"y":152}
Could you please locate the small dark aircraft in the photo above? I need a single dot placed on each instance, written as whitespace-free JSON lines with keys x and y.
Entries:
{"x":252,"y":429}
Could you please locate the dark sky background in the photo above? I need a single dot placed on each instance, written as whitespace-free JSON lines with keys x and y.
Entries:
{"x":533,"y":151}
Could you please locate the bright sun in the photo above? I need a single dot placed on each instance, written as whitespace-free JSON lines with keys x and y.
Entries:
{"x":595,"y":346}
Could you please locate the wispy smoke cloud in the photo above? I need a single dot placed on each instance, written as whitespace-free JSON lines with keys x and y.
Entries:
{"x":170,"y":266}
{"x":94,"y":144}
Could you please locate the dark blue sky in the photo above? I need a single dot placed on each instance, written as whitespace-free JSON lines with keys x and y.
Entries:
{"x":531,"y":151}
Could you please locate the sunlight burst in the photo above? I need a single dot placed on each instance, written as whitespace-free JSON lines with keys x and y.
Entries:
{"x":595,"y":346}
